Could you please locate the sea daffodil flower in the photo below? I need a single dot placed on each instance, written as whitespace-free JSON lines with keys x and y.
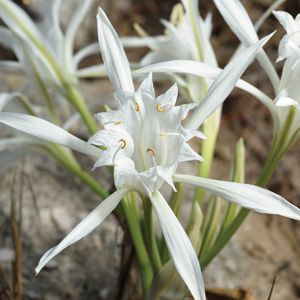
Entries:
{"x":145,"y":140}
{"x":45,"y":43}
{"x":186,"y":36}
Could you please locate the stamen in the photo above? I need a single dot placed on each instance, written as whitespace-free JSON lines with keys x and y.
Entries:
{"x":121,"y":146}
{"x":137,"y":107}
{"x":159,"y":108}
{"x":150,"y":151}
{"x":122,"y":143}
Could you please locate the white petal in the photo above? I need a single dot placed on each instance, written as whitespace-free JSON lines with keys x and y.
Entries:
{"x":92,"y":72}
{"x":169,"y":97}
{"x":73,"y":26}
{"x":85,"y":52}
{"x":11,"y":143}
{"x":187,"y":153}
{"x":5,"y":98}
{"x":245,"y":195}
{"x":238,"y":20}
{"x":146,"y":88}
{"x":284,"y":100}
{"x":261,"y":20}
{"x":13,"y":15}
{"x":180,"y":247}
{"x":87,"y":225}
{"x":113,"y":55}
{"x":286,"y":20}
{"x":46,"y":131}
{"x":203,"y":70}
{"x":10,"y":66}
{"x":223,"y":85}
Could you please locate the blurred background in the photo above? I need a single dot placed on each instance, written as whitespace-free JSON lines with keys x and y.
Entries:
{"x":53,"y":201}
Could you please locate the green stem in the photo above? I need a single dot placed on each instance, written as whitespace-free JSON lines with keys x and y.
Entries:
{"x":72,"y":93}
{"x":78,"y":101}
{"x":210,"y":129}
{"x":211,"y":224}
{"x":150,"y":236}
{"x":279,"y":147}
{"x":133,"y":221}
{"x":65,"y":158}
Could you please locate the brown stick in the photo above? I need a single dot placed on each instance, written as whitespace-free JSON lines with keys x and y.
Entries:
{"x":16,"y":228}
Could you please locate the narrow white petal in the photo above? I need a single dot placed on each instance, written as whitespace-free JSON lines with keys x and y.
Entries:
{"x":238,"y":20}
{"x":203,"y":70}
{"x":46,"y":131}
{"x":87,"y":225}
{"x":113,"y":55}
{"x":180,"y":247}
{"x":245,"y":195}
{"x":223,"y":85}
{"x":13,"y":15}
{"x":11,"y":66}
{"x":85,"y":52}
{"x":97,"y":71}
{"x":5,"y":98}
{"x":73,"y":26}
{"x":13,"y":142}
{"x":267,"y":14}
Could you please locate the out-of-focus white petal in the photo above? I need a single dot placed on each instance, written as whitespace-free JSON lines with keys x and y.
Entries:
{"x":18,"y":20}
{"x":284,"y":100}
{"x":46,"y":131}
{"x":180,"y":247}
{"x":13,"y":142}
{"x":85,"y":52}
{"x":73,"y":26}
{"x":92,"y":72}
{"x":113,"y":55}
{"x":223,"y":85}
{"x":5,"y":98}
{"x":87,"y":225}
{"x":245,"y":195}
{"x":267,"y":14}
{"x":10,"y":66}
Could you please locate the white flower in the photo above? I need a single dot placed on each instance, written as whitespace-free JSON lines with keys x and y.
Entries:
{"x":186,"y":36}
{"x":144,"y":140}
{"x":44,"y":45}
{"x":290,"y":43}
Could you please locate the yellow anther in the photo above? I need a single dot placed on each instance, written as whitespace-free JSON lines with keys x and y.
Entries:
{"x":159,"y":108}
{"x":137,"y":107}
{"x":122,"y":143}
{"x":150,"y":151}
